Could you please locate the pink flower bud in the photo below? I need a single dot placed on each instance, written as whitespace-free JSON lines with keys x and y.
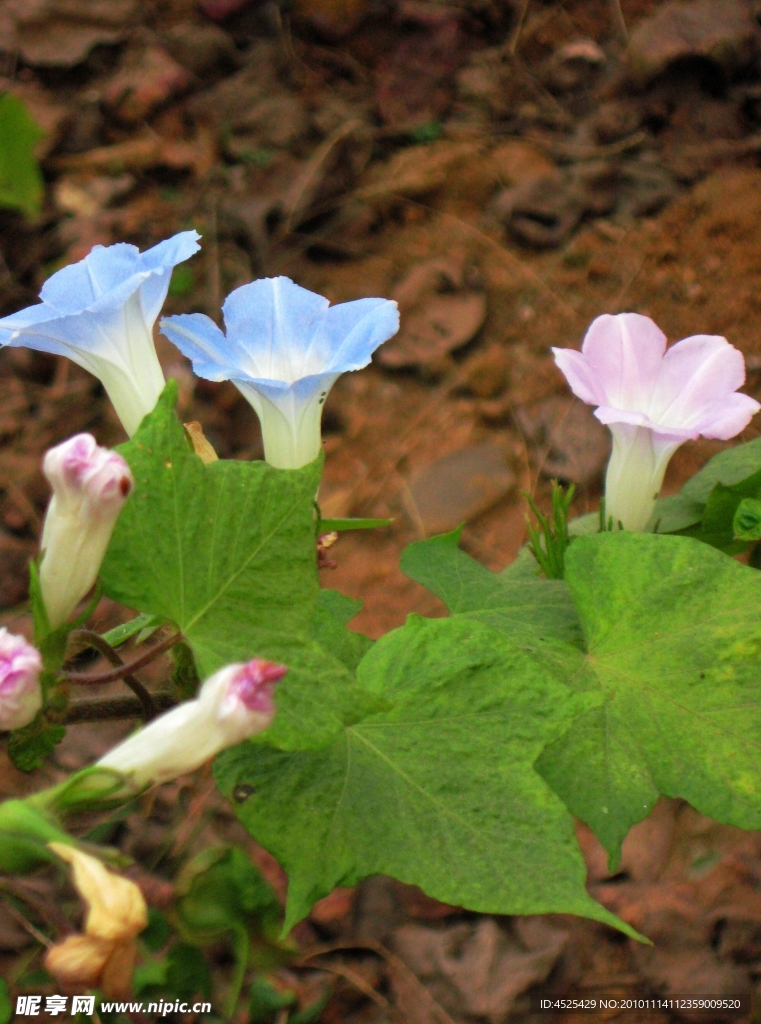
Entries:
{"x":232,"y":705}
{"x":90,"y":485}
{"x":20,"y":667}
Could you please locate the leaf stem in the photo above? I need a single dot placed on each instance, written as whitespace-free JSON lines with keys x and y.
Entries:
{"x":122,"y":670}
{"x":96,"y":641}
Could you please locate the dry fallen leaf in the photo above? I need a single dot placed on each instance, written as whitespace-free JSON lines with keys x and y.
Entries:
{"x":479,"y":969}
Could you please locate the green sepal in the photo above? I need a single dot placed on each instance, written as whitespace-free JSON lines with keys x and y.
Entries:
{"x":90,"y":789}
{"x":24,"y":835}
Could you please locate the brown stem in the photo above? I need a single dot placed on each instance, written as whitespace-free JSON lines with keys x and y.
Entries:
{"x":95,"y":640}
{"x":98,"y":709}
{"x":123,"y":669}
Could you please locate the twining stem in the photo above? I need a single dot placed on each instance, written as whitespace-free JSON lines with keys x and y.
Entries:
{"x":96,"y":641}
{"x":122,"y":669}
{"x":98,"y":709}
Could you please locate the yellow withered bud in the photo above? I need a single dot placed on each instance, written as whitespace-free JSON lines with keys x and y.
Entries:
{"x":104,"y":957}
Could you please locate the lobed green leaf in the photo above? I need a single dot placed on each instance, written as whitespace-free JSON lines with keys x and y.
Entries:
{"x":438,"y":791}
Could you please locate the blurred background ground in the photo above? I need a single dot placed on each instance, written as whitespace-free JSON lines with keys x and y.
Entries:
{"x":505,"y":169}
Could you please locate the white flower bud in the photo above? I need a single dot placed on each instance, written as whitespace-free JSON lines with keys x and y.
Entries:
{"x":20,"y":667}
{"x":232,"y":705}
{"x":90,"y":485}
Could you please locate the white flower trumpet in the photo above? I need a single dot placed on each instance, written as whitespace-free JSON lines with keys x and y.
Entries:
{"x":90,"y":485}
{"x":232,"y":705}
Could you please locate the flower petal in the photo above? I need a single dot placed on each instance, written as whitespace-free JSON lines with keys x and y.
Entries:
{"x":200,"y":340}
{"x":160,"y":261}
{"x":351,"y":331}
{"x":624,"y":353}
{"x":580,"y":375}
{"x":696,"y":374}
{"x":274,"y":320}
{"x":728,"y":417}
{"x":80,"y":285}
{"x":609,"y":416}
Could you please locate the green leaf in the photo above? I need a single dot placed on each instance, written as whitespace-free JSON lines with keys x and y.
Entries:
{"x":157,"y":933}
{"x":6,"y":1006}
{"x":28,"y":747}
{"x":729,"y":467}
{"x":182,"y":974}
{"x":439,"y":791}
{"x":221,"y":891}
{"x":226,"y":552}
{"x":717,"y":524}
{"x":519,"y":604}
{"x":21,"y":183}
{"x":188,"y":974}
{"x":673,"y":637}
{"x":120,"y":634}
{"x":266,"y":999}
{"x":333,"y":614}
{"x":339,"y":525}
{"x":746,"y":524}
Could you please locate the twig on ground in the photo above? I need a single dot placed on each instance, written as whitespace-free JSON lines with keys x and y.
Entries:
{"x":619,"y":24}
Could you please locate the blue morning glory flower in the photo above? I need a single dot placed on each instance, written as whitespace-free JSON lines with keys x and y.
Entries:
{"x":285,"y":348}
{"x":100,"y":313}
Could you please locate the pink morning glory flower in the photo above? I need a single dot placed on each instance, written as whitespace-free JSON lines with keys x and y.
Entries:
{"x":653,"y":399}
{"x":232,"y":705}
{"x":20,"y":694}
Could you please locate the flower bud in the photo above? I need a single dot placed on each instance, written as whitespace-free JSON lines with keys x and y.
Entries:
{"x":90,"y":485}
{"x":232,"y":705}
{"x":104,"y":956}
{"x":20,"y":694}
